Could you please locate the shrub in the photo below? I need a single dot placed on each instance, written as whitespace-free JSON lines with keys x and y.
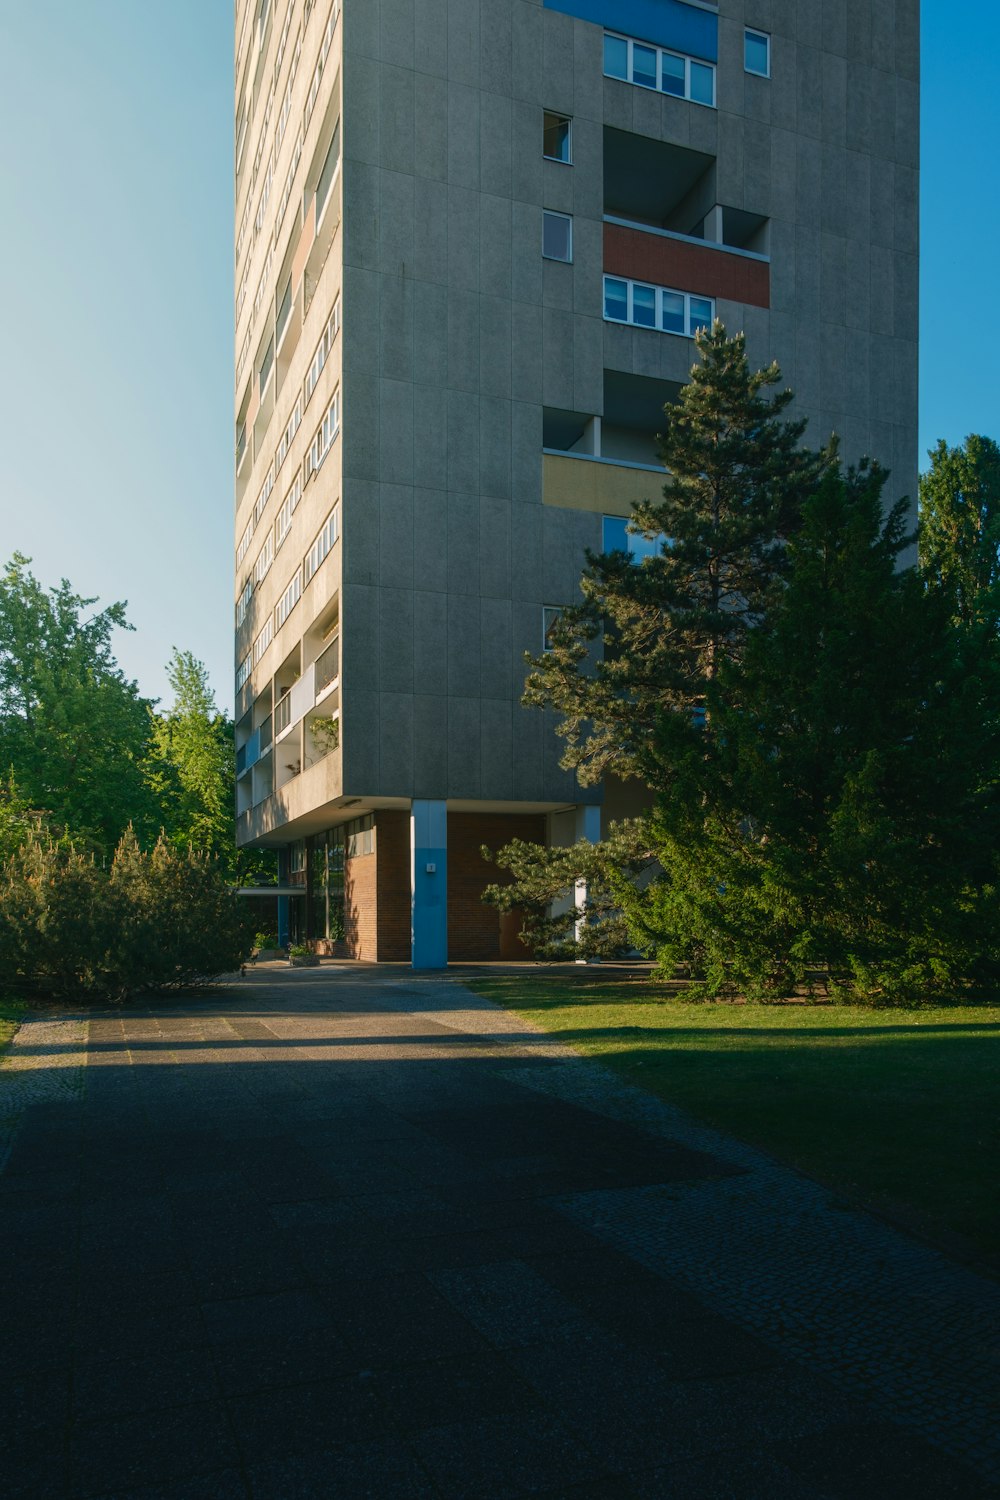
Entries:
{"x":156,"y":920}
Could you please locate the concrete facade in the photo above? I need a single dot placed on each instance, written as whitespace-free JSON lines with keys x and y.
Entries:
{"x":470,"y":369}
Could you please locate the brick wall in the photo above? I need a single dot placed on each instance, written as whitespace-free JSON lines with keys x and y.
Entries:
{"x":392,"y":852}
{"x":690,"y":268}
{"x":360,"y":910}
{"x":474,"y":930}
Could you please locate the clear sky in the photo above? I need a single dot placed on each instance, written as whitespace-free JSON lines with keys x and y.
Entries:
{"x":116,"y":252}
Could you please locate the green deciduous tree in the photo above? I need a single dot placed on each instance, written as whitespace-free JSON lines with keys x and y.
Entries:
{"x":191,"y":768}
{"x":959,"y":536}
{"x":74,"y":730}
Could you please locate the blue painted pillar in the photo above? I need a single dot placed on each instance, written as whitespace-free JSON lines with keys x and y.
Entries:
{"x":284,"y":925}
{"x":429,"y":884}
{"x":588,"y":826}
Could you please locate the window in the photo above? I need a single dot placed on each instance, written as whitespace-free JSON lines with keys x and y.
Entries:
{"x":656,"y":307}
{"x":551,"y":615}
{"x":265,"y":557}
{"x":324,"y":52}
{"x":267,"y":365}
{"x":244,"y":546}
{"x":328,"y":174}
{"x":360,"y":837}
{"x":286,"y":191}
{"x":618,"y":538}
{"x":289,"y":599}
{"x":283,"y":523}
{"x":323,"y":440}
{"x":290,"y":430}
{"x":656,"y":68}
{"x":323,"y":349}
{"x":243,"y":672}
{"x":557,"y":236}
{"x":328,"y":534}
{"x":557,"y":138}
{"x":243,"y":602}
{"x":284,"y":311}
{"x":260,"y":504}
{"x":757,"y":53}
{"x":262,"y":642}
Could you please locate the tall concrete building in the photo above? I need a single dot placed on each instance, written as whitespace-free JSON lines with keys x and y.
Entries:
{"x":473,"y":240}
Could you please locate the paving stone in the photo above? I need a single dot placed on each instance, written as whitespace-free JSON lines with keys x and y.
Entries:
{"x":363,"y":1471}
{"x":165,"y":1446}
{"x":501,"y":1460}
{"x":280,"y":1425}
{"x":161,"y":1379}
{"x":444,"y":1391}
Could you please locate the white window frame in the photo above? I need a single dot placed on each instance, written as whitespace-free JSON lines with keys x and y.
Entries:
{"x":243,"y":602}
{"x":291,"y":428}
{"x":290,"y":597}
{"x":244,"y":546}
{"x":322,"y":546}
{"x":322,"y":351}
{"x":283,"y":521}
{"x":563,"y":161}
{"x":660,"y":291}
{"x":265,"y":557}
{"x":264,"y":639}
{"x":560,"y":260}
{"x":547,"y":610}
{"x":260,"y":504}
{"x":324,"y":437}
{"x":760,"y":36}
{"x":661,"y":52}
{"x":243,"y":671}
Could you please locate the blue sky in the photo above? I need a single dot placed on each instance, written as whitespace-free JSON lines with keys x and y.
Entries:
{"x":116,"y":380}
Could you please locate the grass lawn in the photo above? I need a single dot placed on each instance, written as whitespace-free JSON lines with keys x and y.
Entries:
{"x":900,"y":1108}
{"x":11,"y":1012}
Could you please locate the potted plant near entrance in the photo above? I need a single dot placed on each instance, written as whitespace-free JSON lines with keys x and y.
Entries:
{"x":301,"y":957}
{"x":266,"y":947}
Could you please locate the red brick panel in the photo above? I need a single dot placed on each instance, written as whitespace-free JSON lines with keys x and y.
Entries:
{"x":392,"y":851}
{"x":687,"y":267}
{"x":360,"y":908}
{"x":474,"y":929}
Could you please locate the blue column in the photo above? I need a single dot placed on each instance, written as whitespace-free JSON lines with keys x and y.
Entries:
{"x":429,"y":884}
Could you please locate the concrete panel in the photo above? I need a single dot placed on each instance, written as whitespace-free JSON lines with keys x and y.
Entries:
{"x":360,"y":540}
{"x":361,"y":297}
{"x":463,"y":341}
{"x":526,"y":553}
{"x":526,"y":262}
{"x":463,"y":643}
{"x":430,"y":127}
{"x":495,"y":447}
{"x":360,"y":436}
{"x":362,"y":111}
{"x":497,"y":747}
{"x":430,"y":232}
{"x":464,"y":747}
{"x":430,"y":739}
{"x":526,"y":452}
{"x":395,"y":640}
{"x":463,"y":441}
{"x":395,"y":744}
{"x":494,"y":548}
{"x":463,"y":544}
{"x":396,"y":119}
{"x":396,"y":328}
{"x":463,"y":43}
{"x":494,"y":346}
{"x":395,"y":520}
{"x":395,"y":431}
{"x":495,"y":679}
{"x":526,"y":52}
{"x":360,"y":231}
{"x":463,"y":135}
{"x":359,"y":638}
{"x":396,"y":222}
{"x":359,"y":740}
{"x":430,"y":538}
{"x":430,"y":37}
{"x":430,"y":436}
{"x":496,"y":63}
{"x":557,"y":61}
{"x":430,"y":642}
{"x":495,"y":144}
{"x":463,"y":240}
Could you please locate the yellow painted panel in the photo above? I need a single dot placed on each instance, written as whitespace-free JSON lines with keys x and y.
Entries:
{"x":609,"y":489}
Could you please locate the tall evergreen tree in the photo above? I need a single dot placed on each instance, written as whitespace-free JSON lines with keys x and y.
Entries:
{"x":649,"y":638}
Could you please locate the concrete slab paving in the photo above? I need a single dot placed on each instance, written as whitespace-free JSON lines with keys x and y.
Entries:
{"x":347,"y":1232}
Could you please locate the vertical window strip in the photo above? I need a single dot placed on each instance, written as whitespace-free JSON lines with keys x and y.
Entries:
{"x":265,"y":495}
{"x":243,"y":671}
{"x":323,"y":544}
{"x":283,"y":524}
{"x":291,"y":429}
{"x":263,"y":640}
{"x":322,"y":351}
{"x":289,"y":599}
{"x":265,"y":558}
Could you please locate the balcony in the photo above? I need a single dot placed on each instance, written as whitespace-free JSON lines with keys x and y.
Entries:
{"x":255,"y":748}
{"x":664,"y":258}
{"x":296,"y":703}
{"x":327,"y":669}
{"x":607,"y":486}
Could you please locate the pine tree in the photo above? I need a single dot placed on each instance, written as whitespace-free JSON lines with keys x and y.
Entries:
{"x":959,"y":536}
{"x":649,"y":639}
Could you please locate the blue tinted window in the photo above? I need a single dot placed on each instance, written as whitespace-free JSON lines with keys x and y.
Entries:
{"x":615,"y":299}
{"x":644,"y":66}
{"x":757,"y":53}
{"x":673,"y":74}
{"x":616,"y":57}
{"x":701,"y":313}
{"x":673,"y":312}
{"x":702,"y":84}
{"x":616,"y":537}
{"x":644,"y":306}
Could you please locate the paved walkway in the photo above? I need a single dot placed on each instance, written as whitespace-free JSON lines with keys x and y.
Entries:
{"x":350,"y":1233}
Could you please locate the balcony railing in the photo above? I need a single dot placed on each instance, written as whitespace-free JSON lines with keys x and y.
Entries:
{"x":328,"y":667}
{"x":282,"y":715}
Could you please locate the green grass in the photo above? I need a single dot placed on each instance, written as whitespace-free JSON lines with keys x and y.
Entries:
{"x":897,"y":1108}
{"x":11,"y":1012}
